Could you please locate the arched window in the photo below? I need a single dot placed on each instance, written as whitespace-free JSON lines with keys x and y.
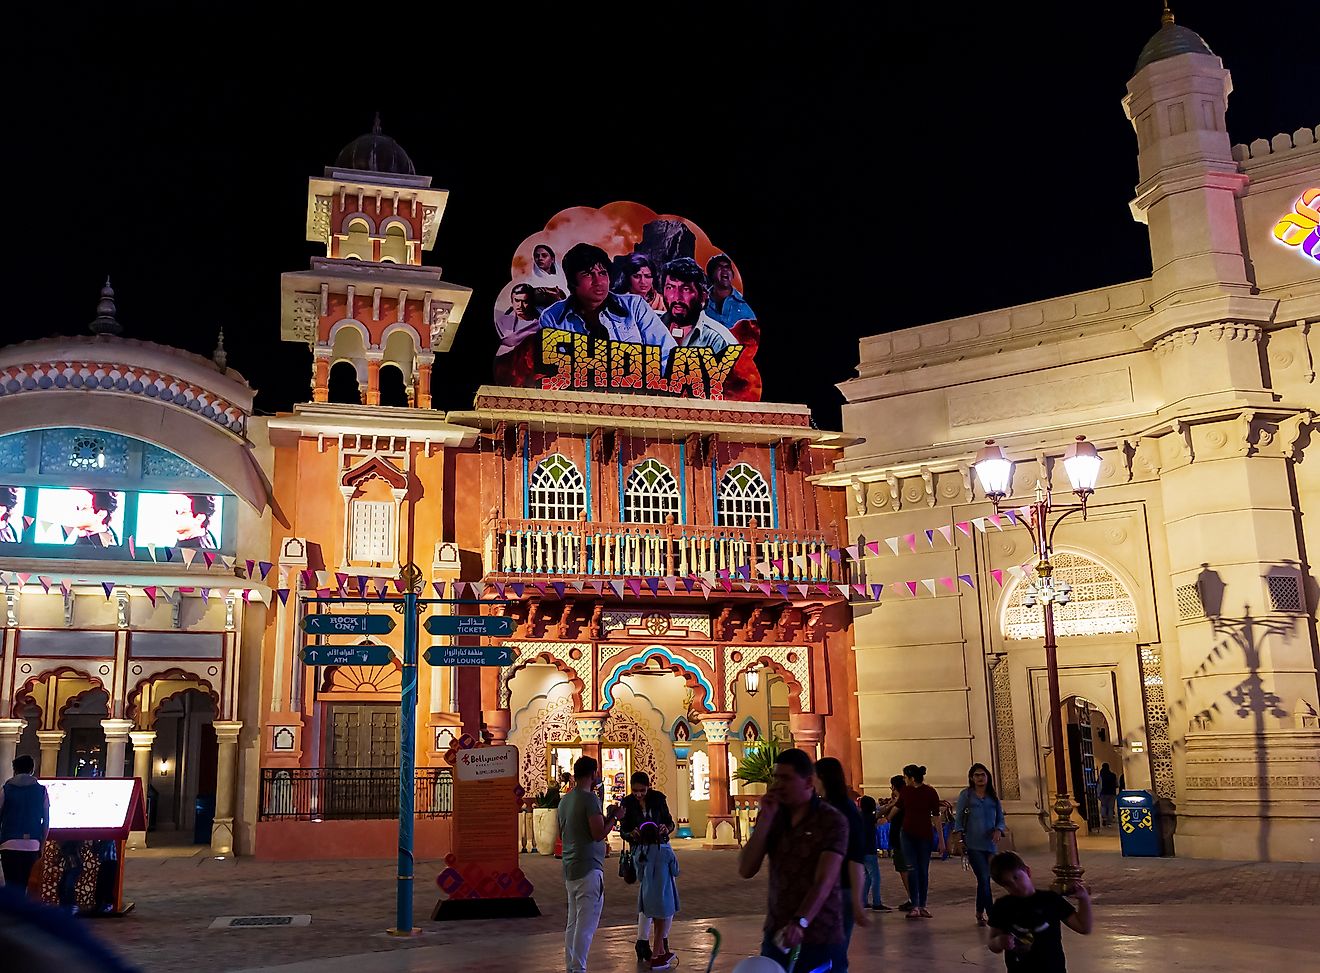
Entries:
{"x":651,"y":494}
{"x":556,"y":491}
{"x":357,"y":241}
{"x":394,"y":248}
{"x":699,"y":774}
{"x":744,"y":496}
{"x":343,"y":383}
{"x":1100,"y":604}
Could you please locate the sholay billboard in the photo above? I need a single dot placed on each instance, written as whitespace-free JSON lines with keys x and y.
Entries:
{"x":620,"y":299}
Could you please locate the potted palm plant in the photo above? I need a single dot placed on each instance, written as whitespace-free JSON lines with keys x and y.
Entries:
{"x":758,"y":763}
{"x":545,"y":820}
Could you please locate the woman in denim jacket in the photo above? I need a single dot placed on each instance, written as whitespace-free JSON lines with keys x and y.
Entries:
{"x":978,"y":819}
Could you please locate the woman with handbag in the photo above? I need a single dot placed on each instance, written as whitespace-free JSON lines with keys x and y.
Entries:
{"x":645,"y":803}
{"x":978,"y":828}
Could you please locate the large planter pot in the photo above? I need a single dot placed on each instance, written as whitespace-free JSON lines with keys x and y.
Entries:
{"x":545,"y":825}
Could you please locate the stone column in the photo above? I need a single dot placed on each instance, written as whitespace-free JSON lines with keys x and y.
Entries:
{"x":808,"y":731}
{"x":10,"y":731}
{"x":116,"y":745}
{"x":422,"y":394}
{"x":682,"y":820}
{"x":497,"y":723}
{"x":142,"y":743}
{"x":50,"y":751}
{"x":373,"y":382}
{"x":222,"y":829}
{"x":321,"y":379}
{"x":719,"y":821}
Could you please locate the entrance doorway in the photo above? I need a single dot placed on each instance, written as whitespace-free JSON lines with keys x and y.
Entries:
{"x":1091,"y":746}
{"x":361,"y":779}
{"x":616,"y":769}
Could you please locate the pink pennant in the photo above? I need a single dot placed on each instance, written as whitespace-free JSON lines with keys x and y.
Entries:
{"x":671,"y":584}
{"x":209,"y":558}
{"x":726,"y":584}
{"x":911,"y":541}
{"x":635,"y":586}
{"x":859,"y":590}
{"x":150,"y":592}
{"x":29,"y":521}
{"x":23,"y":578}
{"x":765,"y":587}
{"x":65,"y":586}
{"x":815,"y":557}
{"x":852,"y":551}
{"x":949,"y":583}
{"x":45,"y":582}
{"x":823,"y":589}
{"x":998,"y":575}
{"x":598,"y":587}
{"x":779,"y":565}
{"x":132,"y":546}
{"x":947,"y":533}
{"x":965,"y":526}
{"x":996,"y":519}
{"x":399,"y":585}
{"x":911,"y":587}
{"x":323,"y":592}
{"x":873,"y":547}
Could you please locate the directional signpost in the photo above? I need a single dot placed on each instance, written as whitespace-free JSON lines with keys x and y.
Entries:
{"x":348,"y":624}
{"x":468,"y":655}
{"x":498,"y":626}
{"x":346,"y":655}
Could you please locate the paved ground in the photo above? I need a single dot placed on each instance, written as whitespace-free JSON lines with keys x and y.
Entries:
{"x":1175,"y":912}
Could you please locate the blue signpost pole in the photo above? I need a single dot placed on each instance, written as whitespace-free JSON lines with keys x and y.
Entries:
{"x":407,"y":760}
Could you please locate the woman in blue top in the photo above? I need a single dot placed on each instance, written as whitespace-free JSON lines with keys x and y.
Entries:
{"x":657,"y":890}
{"x":979,"y":820}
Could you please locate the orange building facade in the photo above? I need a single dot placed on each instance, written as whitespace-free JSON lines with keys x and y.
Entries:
{"x":668,"y":565}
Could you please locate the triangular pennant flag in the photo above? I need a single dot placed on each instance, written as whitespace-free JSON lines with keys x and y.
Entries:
{"x":876,"y":590}
{"x":911,"y":587}
{"x":726,"y":584}
{"x":860,"y":590}
{"x":815,"y":557}
{"x":802,"y":589}
{"x":206,"y":595}
{"x":705,"y":592}
{"x":928,"y":584}
{"x":23,"y":578}
{"x":745,"y":571}
{"x":169,"y":553}
{"x":1012,"y":517}
{"x":930,"y":536}
{"x":439,"y":588}
{"x":763,"y":568}
{"x":688,"y":582}
{"x":578,"y":586}
{"x":132,"y":546}
{"x":947,"y":533}
{"x":779,"y":564}
{"x":654,"y":585}
{"x":842,"y":589}
{"x":65,"y":531}
{"x":517,"y":587}
{"x":745,"y":585}
{"x":852,"y":552}
{"x":671,"y":583}
{"x":151,"y":549}
{"x":559,"y":587}
{"x":228,"y":561}
{"x":341,"y":581}
{"x":263,"y":567}
{"x":65,"y":587}
{"x":499,"y":588}
{"x":965,"y":526}
{"x":1025,"y":514}
{"x":998,"y":575}
{"x":150,"y":592}
{"x":873,"y":547}
{"x":783,"y":591}
{"x":166,"y":593}
{"x":835,"y":554}
{"x":109,"y":587}
{"x":765,"y":587}
{"x":188,"y":554}
{"x":949,"y":583}
{"x":966,"y":579}
{"x":635,"y":586}
{"x":45,"y":582}
{"x":799,"y":562}
{"x":323,"y":592}
{"x":249,"y":564}
{"x":478,"y":589}
{"x":598,"y":587}
{"x":209,"y":558}
{"x":617,"y":587}
{"x":398,"y":584}
{"x":979,"y":523}
{"x":911,"y":541}
{"x":824,"y":589}
{"x":996,"y":520}
{"x":29,"y":521}
{"x":892,"y":544}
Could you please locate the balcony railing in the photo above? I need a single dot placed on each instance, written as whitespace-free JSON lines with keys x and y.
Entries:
{"x":350,"y":793}
{"x":597,"y":549}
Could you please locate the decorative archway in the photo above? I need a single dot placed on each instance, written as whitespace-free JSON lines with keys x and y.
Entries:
{"x":1101,"y":604}
{"x":149,"y":694}
{"x":692,"y":670}
{"x":558,"y":654}
{"x":53,"y":710}
{"x":790,"y":663}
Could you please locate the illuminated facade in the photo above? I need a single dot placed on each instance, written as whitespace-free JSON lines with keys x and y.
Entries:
{"x":650,"y":550}
{"x":130,"y":493}
{"x":1188,"y":655}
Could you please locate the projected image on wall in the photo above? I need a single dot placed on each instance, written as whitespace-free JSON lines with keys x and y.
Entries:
{"x":69,"y":515}
{"x":11,"y":514}
{"x":180,"y":520}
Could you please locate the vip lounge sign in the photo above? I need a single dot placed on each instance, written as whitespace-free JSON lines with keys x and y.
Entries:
{"x":1301,"y":228}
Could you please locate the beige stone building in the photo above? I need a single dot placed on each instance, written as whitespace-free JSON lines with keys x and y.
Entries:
{"x":1188,"y":655}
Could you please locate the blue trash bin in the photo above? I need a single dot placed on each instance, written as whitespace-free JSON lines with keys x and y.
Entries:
{"x":1139,"y":825}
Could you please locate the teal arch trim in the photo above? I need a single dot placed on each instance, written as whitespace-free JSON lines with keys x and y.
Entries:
{"x":607,"y":693}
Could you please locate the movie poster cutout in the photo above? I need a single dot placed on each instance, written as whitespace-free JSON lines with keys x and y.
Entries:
{"x":69,"y":515}
{"x":180,"y":520}
{"x":620,"y":299}
{"x":11,"y":514}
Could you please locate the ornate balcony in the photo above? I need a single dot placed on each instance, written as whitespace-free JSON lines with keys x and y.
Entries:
{"x":520,"y":548}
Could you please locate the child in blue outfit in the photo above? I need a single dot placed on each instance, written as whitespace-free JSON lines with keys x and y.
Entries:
{"x":657,"y":890}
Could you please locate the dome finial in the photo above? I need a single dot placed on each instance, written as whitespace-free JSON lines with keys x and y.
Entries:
{"x":1167,"y":16}
{"x":375,"y":125}
{"x":105,"y":321}
{"x":220,"y":356}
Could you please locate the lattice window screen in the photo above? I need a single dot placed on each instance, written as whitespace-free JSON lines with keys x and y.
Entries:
{"x":1285,"y":593}
{"x":1100,"y":604}
{"x":1189,"y":602}
{"x":373,"y":531}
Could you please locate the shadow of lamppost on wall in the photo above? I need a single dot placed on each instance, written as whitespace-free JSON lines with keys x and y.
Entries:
{"x":1250,"y":698}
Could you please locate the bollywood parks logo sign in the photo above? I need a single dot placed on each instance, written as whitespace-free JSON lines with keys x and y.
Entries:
{"x":620,"y":299}
{"x":1301,"y":228}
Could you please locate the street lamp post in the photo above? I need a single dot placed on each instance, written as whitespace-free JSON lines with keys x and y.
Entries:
{"x":995,"y":471}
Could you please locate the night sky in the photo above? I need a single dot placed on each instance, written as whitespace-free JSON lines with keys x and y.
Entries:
{"x":865,"y":175}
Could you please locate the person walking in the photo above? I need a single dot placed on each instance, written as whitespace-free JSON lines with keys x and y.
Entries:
{"x":583,"y":828}
{"x":24,"y":823}
{"x":1108,"y":795}
{"x":645,"y":803}
{"x":978,"y":821}
{"x":832,"y":785}
{"x":806,"y":840}
{"x":920,"y":806}
{"x":894,"y":815}
{"x":657,"y":889}
{"x":871,"y":864}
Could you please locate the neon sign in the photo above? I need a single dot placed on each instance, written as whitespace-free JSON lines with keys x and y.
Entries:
{"x":1301,"y":228}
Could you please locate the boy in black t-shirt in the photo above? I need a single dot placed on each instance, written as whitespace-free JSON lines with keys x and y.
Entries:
{"x":1024,"y":924}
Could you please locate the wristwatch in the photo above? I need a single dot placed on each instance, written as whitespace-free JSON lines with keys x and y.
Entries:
{"x":802,"y":921}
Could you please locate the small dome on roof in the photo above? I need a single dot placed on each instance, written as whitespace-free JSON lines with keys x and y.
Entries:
{"x":1170,"y":41}
{"x":375,"y":152}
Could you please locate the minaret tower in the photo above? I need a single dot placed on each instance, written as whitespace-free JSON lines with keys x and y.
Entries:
{"x":369,"y":302}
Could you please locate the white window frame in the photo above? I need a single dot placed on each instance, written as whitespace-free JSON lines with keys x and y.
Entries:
{"x":373,"y":534}
{"x":556,"y":490}
{"x":741,"y":502}
{"x":650,"y":503}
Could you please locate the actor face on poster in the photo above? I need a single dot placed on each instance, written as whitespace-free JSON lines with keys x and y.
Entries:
{"x":685,"y":295}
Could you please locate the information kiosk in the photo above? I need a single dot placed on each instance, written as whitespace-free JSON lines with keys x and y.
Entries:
{"x":82,"y":863}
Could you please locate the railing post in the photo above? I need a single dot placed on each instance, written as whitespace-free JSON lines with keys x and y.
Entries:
{"x":582,"y":543}
{"x":671,"y":560}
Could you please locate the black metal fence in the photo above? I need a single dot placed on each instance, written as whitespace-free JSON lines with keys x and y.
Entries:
{"x":350,"y":793}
